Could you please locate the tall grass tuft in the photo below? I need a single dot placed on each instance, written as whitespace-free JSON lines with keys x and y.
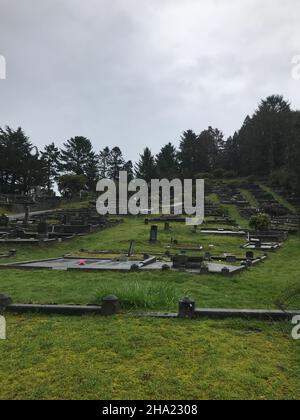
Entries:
{"x":140,"y":295}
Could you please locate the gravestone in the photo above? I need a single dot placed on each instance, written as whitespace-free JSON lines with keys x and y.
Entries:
{"x":204,"y":269}
{"x":167,"y":227}
{"x":154,"y":234}
{"x":231,"y":259}
{"x":42,"y":228}
{"x":207,"y":256}
{"x":225,"y":272}
{"x":180,"y":261}
{"x":249,"y":255}
{"x":258,"y":244}
{"x":4,"y":220}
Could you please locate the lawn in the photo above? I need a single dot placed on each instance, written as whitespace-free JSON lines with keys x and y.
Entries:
{"x":127,"y":358}
{"x":280,"y":199}
{"x":134,"y":358}
{"x":258,"y":287}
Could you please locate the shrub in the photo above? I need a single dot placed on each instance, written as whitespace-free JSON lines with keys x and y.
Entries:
{"x":261,"y":222}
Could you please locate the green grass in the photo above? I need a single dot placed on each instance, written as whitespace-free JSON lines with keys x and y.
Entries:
{"x":249,"y":197}
{"x":214,"y":198}
{"x":134,"y":358}
{"x":75,"y":206}
{"x":126,"y":358}
{"x":280,"y":199}
{"x":139,"y":295}
{"x":4,"y":210}
{"x":234,"y":214}
{"x":257,"y":287}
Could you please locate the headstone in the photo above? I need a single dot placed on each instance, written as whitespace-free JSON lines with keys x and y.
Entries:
{"x":186,"y":308}
{"x":180,"y":261}
{"x":249,"y":255}
{"x":167,"y":226}
{"x":231,"y":259}
{"x":154,"y":234}
{"x":207,"y":256}
{"x":42,"y":228}
{"x":204,"y":269}
{"x":225,"y":272}
{"x":20,"y":233}
{"x":4,"y":220}
{"x":258,"y":244}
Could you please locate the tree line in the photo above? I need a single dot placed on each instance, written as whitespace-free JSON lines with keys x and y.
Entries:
{"x":266,"y":146}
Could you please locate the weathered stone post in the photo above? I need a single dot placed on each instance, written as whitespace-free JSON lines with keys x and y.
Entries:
{"x":110,"y":305}
{"x":187,"y":308}
{"x":4,"y":302}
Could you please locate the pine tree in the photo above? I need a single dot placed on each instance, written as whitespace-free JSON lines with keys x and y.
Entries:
{"x":146,"y":168}
{"x":167,"y":162}
{"x":116,"y":163}
{"x":50,"y":156}
{"x":78,"y":158}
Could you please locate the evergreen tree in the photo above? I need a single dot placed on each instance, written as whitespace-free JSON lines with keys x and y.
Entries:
{"x":146,"y":167}
{"x":167,"y":162}
{"x":187,"y":157}
{"x":128,"y":167}
{"x":78,"y":158}
{"x":21,"y":168}
{"x":115,"y":163}
{"x":50,"y":156}
{"x":103,"y":162}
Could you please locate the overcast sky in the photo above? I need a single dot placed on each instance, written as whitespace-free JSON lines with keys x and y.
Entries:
{"x":137,"y":73}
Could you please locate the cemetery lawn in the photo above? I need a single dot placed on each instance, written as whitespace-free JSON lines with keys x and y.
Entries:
{"x":257,"y":288}
{"x":123,"y":357}
{"x":132,"y":358}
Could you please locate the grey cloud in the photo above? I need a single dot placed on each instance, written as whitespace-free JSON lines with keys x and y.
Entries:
{"x":139,"y":72}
